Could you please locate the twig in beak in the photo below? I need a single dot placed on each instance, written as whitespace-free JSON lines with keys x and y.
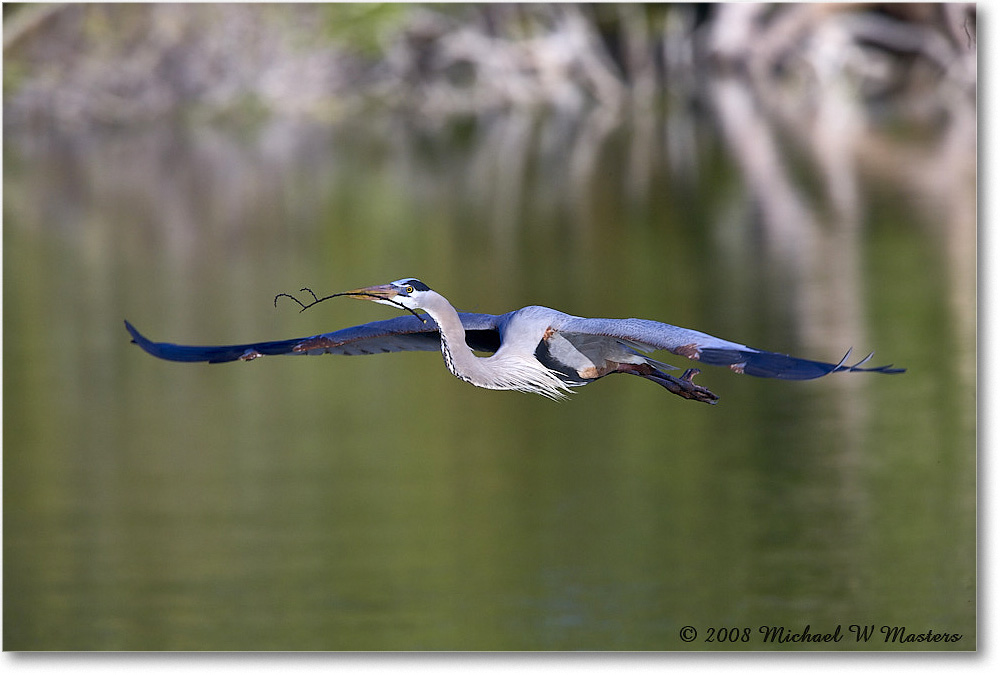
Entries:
{"x":317,"y":300}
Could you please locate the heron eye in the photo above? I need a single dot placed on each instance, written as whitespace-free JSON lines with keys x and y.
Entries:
{"x":409,"y":289}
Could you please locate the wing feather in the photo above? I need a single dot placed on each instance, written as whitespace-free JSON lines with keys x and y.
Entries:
{"x":697,"y":346}
{"x":404,"y":333}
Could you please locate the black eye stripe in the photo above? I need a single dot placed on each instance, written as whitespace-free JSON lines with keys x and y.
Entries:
{"x":416,"y":285}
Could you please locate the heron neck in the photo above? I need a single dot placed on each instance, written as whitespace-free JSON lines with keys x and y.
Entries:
{"x":502,"y":370}
{"x":458,"y":357}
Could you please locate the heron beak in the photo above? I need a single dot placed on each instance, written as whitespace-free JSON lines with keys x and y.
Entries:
{"x":380,"y":294}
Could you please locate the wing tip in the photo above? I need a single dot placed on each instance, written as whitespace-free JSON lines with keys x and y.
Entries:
{"x":137,"y":337}
{"x":760,"y":363}
{"x":856,"y":368}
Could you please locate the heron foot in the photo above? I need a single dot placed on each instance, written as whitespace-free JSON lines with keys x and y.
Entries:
{"x":685,"y":387}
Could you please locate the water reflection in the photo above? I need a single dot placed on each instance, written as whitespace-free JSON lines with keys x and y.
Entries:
{"x":335,"y":503}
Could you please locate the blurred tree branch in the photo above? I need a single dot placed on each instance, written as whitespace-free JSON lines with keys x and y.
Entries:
{"x":109,"y":63}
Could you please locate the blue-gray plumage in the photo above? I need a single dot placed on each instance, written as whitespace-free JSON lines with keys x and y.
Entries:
{"x":534,"y":349}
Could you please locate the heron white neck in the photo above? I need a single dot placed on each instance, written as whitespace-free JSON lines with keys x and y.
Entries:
{"x":458,"y":357}
{"x":503,"y":370}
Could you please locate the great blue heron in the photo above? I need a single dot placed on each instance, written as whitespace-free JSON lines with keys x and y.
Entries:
{"x":534,"y":349}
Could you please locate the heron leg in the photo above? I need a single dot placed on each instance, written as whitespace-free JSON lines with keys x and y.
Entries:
{"x":683,"y":386}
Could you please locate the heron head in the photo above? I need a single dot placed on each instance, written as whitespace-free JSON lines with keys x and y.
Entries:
{"x":405,"y":292}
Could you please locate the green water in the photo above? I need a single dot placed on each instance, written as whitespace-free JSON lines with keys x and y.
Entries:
{"x":374,"y":503}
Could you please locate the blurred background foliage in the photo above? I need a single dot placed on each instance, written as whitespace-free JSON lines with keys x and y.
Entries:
{"x":94,"y":64}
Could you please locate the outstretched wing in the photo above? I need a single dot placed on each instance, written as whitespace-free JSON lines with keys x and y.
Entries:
{"x":404,"y":333}
{"x":714,"y":351}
